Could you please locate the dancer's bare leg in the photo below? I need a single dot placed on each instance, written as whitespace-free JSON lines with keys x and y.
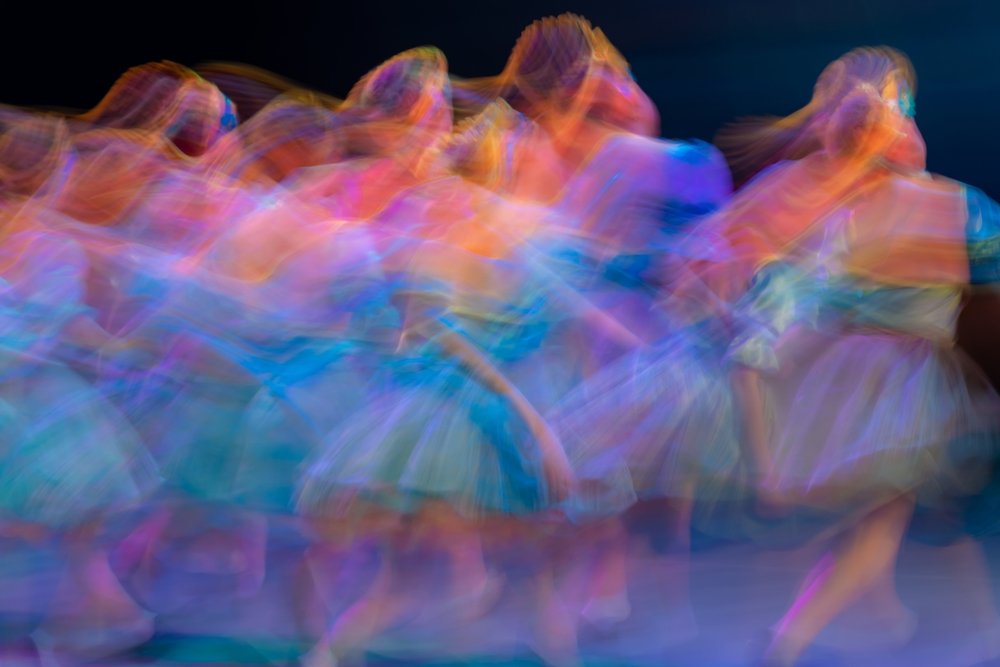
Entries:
{"x":254,"y":542}
{"x":309,"y":607}
{"x":868,"y":552}
{"x":681,"y":625}
{"x":473,"y":588}
{"x":555,"y":626}
{"x":883,"y":622}
{"x":381,"y":605}
{"x":95,"y":614}
{"x":665,"y":541}
{"x":967,"y":564}
{"x":133,"y":551}
{"x":607,"y":595}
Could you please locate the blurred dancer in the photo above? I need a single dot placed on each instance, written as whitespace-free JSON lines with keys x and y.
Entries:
{"x":752,"y":145}
{"x":70,"y":460}
{"x":873,"y":262}
{"x":626,"y":196}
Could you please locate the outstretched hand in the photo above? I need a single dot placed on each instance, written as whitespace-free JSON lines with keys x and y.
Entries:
{"x":556,"y":467}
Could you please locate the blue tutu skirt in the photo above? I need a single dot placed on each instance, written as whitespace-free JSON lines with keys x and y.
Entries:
{"x":436,"y":435}
{"x":67,"y":455}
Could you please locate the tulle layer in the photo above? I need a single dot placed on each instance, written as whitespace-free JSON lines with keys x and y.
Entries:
{"x":66,"y":455}
{"x":650,"y":425}
{"x":450,"y":439}
{"x":869,"y":413}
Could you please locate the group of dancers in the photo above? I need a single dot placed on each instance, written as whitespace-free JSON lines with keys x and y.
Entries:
{"x":443,"y":313}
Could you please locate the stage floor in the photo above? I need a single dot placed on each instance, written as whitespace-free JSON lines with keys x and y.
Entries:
{"x":736,"y":592}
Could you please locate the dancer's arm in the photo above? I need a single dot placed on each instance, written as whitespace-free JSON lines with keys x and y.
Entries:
{"x":557,"y":469}
{"x":579,"y":305}
{"x":750,"y":402}
{"x":754,"y":443}
{"x":773,"y":304}
{"x":598,"y":318}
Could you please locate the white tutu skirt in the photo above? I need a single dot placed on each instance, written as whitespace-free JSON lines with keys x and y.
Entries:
{"x":859,"y":415}
{"x":283,"y":427}
{"x":650,"y":425}
{"x":436,"y":436}
{"x":67,"y":456}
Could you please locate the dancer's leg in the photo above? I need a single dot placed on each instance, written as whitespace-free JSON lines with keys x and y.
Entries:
{"x":868,"y":551}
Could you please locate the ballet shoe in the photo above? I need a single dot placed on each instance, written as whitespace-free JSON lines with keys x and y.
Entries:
{"x":766,"y":652}
{"x":319,"y":656}
{"x":553,"y":655}
{"x":679,"y":628}
{"x":891,"y":636}
{"x":555,"y":641}
{"x":96,"y":642}
{"x":904,"y":629}
{"x":983,"y":648}
{"x":481,"y":599}
{"x":24,"y":653}
{"x":607,"y":611}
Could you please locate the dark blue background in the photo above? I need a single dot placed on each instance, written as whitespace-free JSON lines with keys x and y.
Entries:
{"x":704,"y":62}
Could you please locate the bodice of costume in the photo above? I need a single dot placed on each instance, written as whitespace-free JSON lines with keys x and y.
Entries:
{"x":893,"y":260}
{"x":924,"y":312}
{"x":783,"y":294}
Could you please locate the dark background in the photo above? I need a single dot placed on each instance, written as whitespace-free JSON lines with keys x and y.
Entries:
{"x":703,"y":62}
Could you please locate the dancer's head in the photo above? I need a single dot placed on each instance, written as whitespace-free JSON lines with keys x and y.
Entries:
{"x":753,"y":144}
{"x":564,"y":70}
{"x":31,"y":148}
{"x":170,"y":99}
{"x":287,"y":134}
{"x":617,"y":99}
{"x":861,"y":126}
{"x":402,"y":105}
{"x":883,"y":68}
{"x":201,"y":117}
{"x":889,"y":75}
{"x":565,"y":65}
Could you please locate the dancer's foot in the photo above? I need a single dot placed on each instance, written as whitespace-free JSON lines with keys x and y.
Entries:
{"x":772,"y":649}
{"x":679,"y":626}
{"x":607,"y":611}
{"x":555,"y":639}
{"x":320,"y":655}
{"x":94,"y":615}
{"x":982,"y":647}
{"x":889,"y":630}
{"x":95,"y":638}
{"x":478,"y":599}
{"x":360,"y":624}
{"x":777,"y":650}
